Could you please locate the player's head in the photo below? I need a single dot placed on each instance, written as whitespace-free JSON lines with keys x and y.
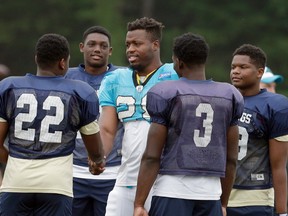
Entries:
{"x":189,"y":49}
{"x":52,"y":53}
{"x":99,"y":30}
{"x":247,"y":66}
{"x":4,"y":71}
{"x":96,"y":47}
{"x":143,"y":42}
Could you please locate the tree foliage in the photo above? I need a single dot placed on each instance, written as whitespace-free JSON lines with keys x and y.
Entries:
{"x":226,"y":24}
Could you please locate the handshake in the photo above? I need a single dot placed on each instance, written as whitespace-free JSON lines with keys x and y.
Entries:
{"x":96,"y":167}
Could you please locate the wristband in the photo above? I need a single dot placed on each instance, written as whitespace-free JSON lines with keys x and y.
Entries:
{"x":282,"y":214}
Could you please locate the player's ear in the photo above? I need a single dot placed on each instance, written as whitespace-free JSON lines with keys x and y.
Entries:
{"x":181,"y":64}
{"x":155,"y":45}
{"x":110,"y":51}
{"x":260,"y":72}
{"x":62,"y":64}
{"x":81,"y":45}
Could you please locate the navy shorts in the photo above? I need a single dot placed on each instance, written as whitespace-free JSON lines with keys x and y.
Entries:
{"x":35,"y":204}
{"x":164,"y":206}
{"x":250,"y":211}
{"x":90,"y":196}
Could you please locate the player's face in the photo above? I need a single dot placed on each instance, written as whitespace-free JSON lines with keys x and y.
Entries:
{"x":96,"y":50}
{"x":244,"y":74}
{"x":139,"y":49}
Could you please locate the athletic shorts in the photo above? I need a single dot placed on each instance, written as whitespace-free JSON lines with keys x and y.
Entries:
{"x":165,"y":206}
{"x":250,"y":211}
{"x":36,"y":204}
{"x":121,"y":201}
{"x":90,"y":196}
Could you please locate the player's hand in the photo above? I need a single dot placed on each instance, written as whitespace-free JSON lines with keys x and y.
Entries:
{"x":140,"y":211}
{"x":96,"y":168}
{"x":224,"y":211}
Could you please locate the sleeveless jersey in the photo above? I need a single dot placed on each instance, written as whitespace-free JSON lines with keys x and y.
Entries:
{"x":265,"y":117}
{"x":197,"y":115}
{"x":42,"y":122}
{"x":80,"y":154}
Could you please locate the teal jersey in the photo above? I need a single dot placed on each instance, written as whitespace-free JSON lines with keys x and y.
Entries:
{"x":122,"y":91}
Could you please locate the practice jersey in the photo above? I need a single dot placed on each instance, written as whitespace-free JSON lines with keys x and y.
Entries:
{"x":265,"y":117}
{"x":197,"y":115}
{"x":80,"y":153}
{"x":121,"y":90}
{"x":43,"y":124}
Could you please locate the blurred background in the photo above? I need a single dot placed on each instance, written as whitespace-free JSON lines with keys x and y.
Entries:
{"x":226,"y":24}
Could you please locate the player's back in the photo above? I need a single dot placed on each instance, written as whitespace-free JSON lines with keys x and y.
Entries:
{"x":44,"y":114}
{"x":197,"y":114}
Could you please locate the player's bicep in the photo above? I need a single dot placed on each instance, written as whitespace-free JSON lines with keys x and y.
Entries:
{"x":108,"y":120}
{"x":278,"y":152}
{"x":232,"y":143}
{"x":156,"y":140}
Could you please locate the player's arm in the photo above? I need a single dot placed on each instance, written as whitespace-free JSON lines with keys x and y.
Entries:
{"x":91,"y":138}
{"x":108,"y":122}
{"x":278,"y":159}
{"x":149,"y":167}
{"x":3,"y":134}
{"x":232,"y":153}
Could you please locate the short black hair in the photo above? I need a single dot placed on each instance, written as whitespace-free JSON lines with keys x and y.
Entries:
{"x":51,"y":48}
{"x":191,"y":48}
{"x":150,"y":25}
{"x":97,"y":29}
{"x":256,"y":54}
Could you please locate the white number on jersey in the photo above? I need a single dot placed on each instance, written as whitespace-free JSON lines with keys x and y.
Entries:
{"x":243,"y":141}
{"x":129,"y":101}
{"x":207,"y":124}
{"x":45,"y":135}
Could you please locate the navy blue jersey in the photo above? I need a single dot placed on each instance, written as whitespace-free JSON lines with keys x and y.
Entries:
{"x":265,"y":117}
{"x":197,"y":115}
{"x":79,"y":73}
{"x":42,"y":122}
{"x":80,"y":153}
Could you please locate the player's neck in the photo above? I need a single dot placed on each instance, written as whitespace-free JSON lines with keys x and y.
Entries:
{"x":251,"y":91}
{"x":194,"y":72}
{"x":148,"y":69}
{"x":96,"y":70}
{"x":49,"y":73}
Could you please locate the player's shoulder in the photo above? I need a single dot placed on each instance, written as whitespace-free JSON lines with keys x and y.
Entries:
{"x":118,"y":74}
{"x":273,"y":100}
{"x":12,"y":80}
{"x":166,"y":89}
{"x":167,"y":72}
{"x":78,"y":84}
{"x":74,"y":71}
{"x":112,"y":67}
{"x":226,"y":88}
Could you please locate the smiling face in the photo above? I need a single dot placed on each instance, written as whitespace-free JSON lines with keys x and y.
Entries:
{"x":96,"y":50}
{"x":140,"y":49}
{"x":244,"y":74}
